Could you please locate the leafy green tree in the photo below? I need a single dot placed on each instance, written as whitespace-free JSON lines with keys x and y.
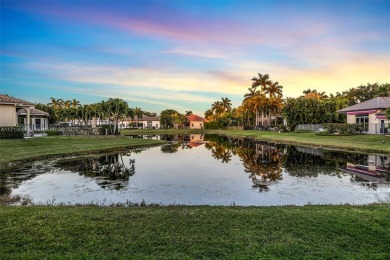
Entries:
{"x":166,"y":119}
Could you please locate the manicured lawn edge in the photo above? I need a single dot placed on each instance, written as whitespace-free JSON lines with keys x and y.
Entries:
{"x":358,"y":143}
{"x":19,"y":151}
{"x":194,"y":232}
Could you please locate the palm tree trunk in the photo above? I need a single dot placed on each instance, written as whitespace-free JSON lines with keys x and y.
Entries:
{"x":262,"y":118}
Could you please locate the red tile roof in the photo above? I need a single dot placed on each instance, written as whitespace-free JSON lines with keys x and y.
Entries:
{"x":5,"y":99}
{"x":195,"y":118}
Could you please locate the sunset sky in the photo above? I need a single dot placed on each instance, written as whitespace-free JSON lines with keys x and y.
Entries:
{"x":185,"y":55}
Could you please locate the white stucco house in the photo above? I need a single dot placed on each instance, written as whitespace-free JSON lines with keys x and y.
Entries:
{"x":144,"y":122}
{"x":371,"y":114}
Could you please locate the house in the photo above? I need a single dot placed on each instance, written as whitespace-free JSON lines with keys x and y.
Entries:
{"x":371,"y":114}
{"x":145,"y":121}
{"x":14,"y":112}
{"x":38,"y":119}
{"x":148,"y":122}
{"x":195,"y":122}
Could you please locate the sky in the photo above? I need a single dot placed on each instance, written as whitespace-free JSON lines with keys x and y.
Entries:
{"x":185,"y":55}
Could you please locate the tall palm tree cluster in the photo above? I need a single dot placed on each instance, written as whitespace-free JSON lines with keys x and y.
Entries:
{"x":264,"y":99}
{"x":105,"y":112}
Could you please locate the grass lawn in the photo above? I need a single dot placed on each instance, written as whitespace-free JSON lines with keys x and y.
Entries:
{"x":314,"y":232}
{"x":364,"y":143}
{"x":31,"y":148}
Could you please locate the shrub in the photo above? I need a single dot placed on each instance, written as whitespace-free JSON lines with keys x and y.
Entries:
{"x":213,"y":125}
{"x":53,"y":132}
{"x":10,"y":132}
{"x":337,"y":128}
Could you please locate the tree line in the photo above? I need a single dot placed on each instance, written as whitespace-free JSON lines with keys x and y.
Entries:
{"x":264,"y":106}
{"x":111,"y":111}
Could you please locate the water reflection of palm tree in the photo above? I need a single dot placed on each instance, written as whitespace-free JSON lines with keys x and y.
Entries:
{"x":261,"y":161}
{"x":110,"y":171}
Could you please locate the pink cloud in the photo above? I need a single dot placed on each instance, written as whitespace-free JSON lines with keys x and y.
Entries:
{"x":180,"y":26}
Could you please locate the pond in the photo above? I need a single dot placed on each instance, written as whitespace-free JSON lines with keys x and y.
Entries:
{"x":205,"y":170}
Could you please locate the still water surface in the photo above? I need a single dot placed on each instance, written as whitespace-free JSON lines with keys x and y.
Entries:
{"x":204,"y":170}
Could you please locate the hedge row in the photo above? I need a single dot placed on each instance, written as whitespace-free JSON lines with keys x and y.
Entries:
{"x":9,"y":132}
{"x":332,"y":128}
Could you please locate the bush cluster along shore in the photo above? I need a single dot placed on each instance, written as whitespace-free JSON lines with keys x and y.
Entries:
{"x":177,"y":232}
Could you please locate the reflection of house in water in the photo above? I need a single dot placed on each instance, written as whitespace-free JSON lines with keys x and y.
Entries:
{"x":195,"y":140}
{"x":374,"y":169}
{"x":363,"y":167}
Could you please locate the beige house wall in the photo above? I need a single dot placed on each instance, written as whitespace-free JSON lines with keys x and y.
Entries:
{"x":196,"y":125}
{"x":351,"y":119}
{"x":8,"y":115}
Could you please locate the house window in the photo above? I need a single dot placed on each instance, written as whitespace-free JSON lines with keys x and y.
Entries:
{"x":149,"y":124}
{"x":192,"y":125}
{"x":362,"y":119}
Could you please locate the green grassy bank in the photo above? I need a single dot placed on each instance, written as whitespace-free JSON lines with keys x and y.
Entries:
{"x":314,"y":232}
{"x":32,"y":148}
{"x":363,"y":143}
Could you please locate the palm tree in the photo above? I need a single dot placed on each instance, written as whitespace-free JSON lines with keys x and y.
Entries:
{"x":117,"y":109}
{"x":263,"y":81}
{"x":57,"y":105}
{"x":226,"y":104}
{"x":275,"y":90}
{"x":138,"y":113}
{"x":252,"y":92}
{"x":188,"y":113}
{"x":257,"y":103}
{"x":274,"y":106}
{"x":217,"y":108}
{"x":208,"y":114}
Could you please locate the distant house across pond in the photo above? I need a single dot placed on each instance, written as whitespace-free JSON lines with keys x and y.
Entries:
{"x":370,"y":113}
{"x":144,"y":122}
{"x":18,"y":112}
{"x":195,"y":122}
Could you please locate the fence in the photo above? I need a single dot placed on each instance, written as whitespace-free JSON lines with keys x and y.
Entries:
{"x":309,"y":127}
{"x":39,"y":130}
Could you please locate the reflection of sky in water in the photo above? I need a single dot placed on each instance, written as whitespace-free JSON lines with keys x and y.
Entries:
{"x":193,"y":176}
